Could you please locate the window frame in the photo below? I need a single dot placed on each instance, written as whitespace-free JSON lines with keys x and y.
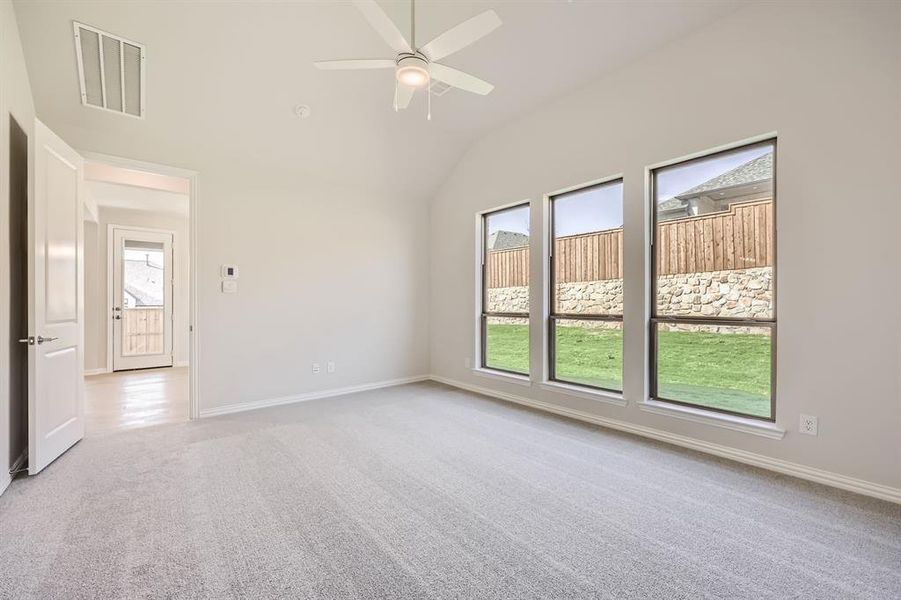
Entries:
{"x":485,"y":314}
{"x":656,"y":319}
{"x":553,"y":316}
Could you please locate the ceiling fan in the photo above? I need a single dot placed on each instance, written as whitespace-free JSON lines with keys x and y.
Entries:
{"x":415,"y":67}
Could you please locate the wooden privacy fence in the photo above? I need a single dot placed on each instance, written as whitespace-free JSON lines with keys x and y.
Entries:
{"x":741,"y":238}
{"x":142,"y":331}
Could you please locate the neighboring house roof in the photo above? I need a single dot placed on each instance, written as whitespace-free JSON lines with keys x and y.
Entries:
{"x":144,"y":282}
{"x":505,"y":240}
{"x":758,"y":169}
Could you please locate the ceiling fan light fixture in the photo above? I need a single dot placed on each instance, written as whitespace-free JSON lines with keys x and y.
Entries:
{"x":413,"y":71}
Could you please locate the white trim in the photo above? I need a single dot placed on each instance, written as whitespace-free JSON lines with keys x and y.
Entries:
{"x":517,"y":203}
{"x":721,"y":148}
{"x":353,"y":389}
{"x":111,"y":292}
{"x":707,"y":417}
{"x":860,"y":486}
{"x":579,"y":391}
{"x":581,"y":186}
{"x":183,"y":363}
{"x":502,"y":376}
{"x":193,"y":214}
{"x":92,"y":372}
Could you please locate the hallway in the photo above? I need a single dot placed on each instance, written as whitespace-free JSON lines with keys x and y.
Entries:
{"x":132,"y":399}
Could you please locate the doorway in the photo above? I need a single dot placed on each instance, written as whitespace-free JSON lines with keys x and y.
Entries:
{"x":138,"y":301}
{"x":18,"y":296}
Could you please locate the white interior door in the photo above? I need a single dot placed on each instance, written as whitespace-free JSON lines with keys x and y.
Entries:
{"x":141,"y":298}
{"x":56,"y":301}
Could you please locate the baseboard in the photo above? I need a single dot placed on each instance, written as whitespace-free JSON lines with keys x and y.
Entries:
{"x":829,"y":478}
{"x":353,"y":389}
{"x":182,"y":363}
{"x":100,"y":371}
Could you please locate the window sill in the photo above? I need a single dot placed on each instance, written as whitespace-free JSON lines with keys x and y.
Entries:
{"x":501,"y":376}
{"x":582,"y":392}
{"x":699,"y":415}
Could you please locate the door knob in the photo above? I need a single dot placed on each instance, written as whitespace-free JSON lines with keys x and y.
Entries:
{"x":42,"y":339}
{"x":29,"y":340}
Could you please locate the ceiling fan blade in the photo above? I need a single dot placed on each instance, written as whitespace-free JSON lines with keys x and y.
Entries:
{"x":383,"y":24}
{"x":464,"y":34}
{"x":459,"y":79}
{"x":404,"y":95}
{"x":343,"y":65}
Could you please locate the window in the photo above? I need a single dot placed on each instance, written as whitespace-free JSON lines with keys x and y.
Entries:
{"x":585,"y":339}
{"x":713,"y":327}
{"x":505,"y":290}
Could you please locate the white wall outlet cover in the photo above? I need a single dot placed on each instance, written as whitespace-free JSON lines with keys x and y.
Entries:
{"x":229,"y":271}
{"x":808,"y":425}
{"x":315,"y":367}
{"x":229,"y":286}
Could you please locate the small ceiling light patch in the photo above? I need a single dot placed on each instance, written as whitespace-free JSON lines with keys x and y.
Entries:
{"x":302,"y":111}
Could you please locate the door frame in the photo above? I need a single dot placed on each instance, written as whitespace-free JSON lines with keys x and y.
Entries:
{"x":111,"y":284}
{"x":193,"y":214}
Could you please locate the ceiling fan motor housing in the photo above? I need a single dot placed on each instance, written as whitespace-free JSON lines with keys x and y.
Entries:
{"x":412,"y":69}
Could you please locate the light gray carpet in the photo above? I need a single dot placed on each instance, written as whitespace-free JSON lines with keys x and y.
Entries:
{"x":423,"y":491}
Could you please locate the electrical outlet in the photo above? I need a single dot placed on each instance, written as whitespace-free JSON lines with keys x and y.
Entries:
{"x":315,"y":368}
{"x":330,"y":366}
{"x":808,"y":425}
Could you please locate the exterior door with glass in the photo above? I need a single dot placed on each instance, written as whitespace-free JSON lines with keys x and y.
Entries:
{"x":142,"y":299}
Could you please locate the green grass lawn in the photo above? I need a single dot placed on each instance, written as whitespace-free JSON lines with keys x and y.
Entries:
{"x":726,"y":371}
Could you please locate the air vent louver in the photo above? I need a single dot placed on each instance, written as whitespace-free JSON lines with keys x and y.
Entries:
{"x":110,"y":71}
{"x":439,"y":88}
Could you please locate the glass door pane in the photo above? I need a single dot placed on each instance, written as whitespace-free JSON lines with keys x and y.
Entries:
{"x":143,"y":298}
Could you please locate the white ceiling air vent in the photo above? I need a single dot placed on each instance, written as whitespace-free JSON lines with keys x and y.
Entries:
{"x":110,"y":71}
{"x":439,"y":88}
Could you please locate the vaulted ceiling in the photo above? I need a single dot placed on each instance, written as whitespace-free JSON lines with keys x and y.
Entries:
{"x":223,"y":78}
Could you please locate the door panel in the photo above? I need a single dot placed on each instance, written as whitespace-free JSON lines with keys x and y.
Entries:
{"x":55,"y":291}
{"x":61,"y":225}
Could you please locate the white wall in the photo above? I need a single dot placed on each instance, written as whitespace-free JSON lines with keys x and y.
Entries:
{"x":16,"y":101}
{"x":96,"y":278}
{"x":326,"y":273}
{"x":827,"y":79}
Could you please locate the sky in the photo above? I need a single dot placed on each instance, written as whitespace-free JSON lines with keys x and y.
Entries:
{"x":601,"y":207}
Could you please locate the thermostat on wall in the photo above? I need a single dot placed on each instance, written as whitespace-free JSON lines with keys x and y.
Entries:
{"x":229,"y":272}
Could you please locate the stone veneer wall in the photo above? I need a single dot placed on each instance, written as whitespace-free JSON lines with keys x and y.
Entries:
{"x":745,"y":293}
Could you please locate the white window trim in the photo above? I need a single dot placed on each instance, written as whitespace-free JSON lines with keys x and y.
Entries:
{"x":477,"y":316}
{"x":585,"y":392}
{"x":502,"y":376}
{"x":752,"y":426}
{"x":560,"y":387}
